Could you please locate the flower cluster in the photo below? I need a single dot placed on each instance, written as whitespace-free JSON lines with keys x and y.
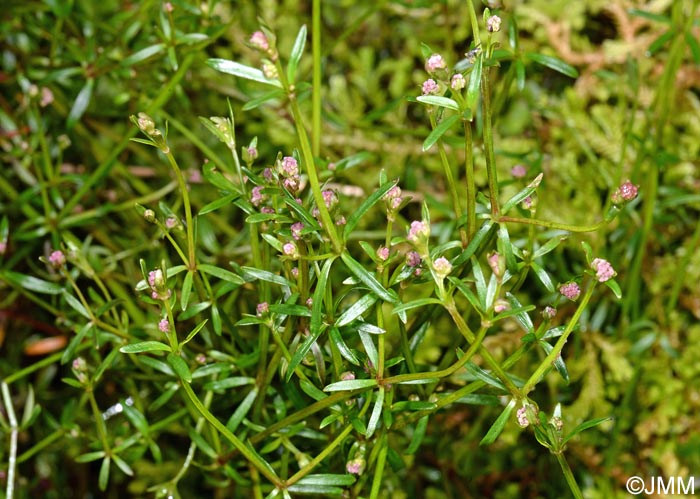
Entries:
{"x":159,"y":285}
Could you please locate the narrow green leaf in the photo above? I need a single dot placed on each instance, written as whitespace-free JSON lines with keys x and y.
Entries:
{"x":289,"y":309}
{"x":143,"y":54}
{"x":435,"y":100}
{"x":661,"y":41}
{"x":216,"y":319}
{"x":90,"y":456}
{"x":295,"y":56}
{"x":180,"y":367}
{"x":316,"y":490}
{"x":75,"y":304}
{"x":277,"y":93}
{"x":553,"y":63}
{"x":356,"y":310}
{"x":614,"y":287}
{"x":31,"y":283}
{"x":649,"y":16}
{"x":506,"y":248}
{"x":77,"y":340}
{"x":549,"y":246}
{"x":242,"y":71}
{"x":480,"y":283}
{"x":145,"y":346}
{"x":328,"y":479}
{"x":368,"y":279}
{"x":370,"y":349}
{"x":418,"y":435}
{"x":376,"y":413}
{"x":365,"y":207}
{"x":226,"y":383}
{"x":347,"y":354}
{"x":137,"y":419}
{"x":584,"y":426}
{"x":217,"y":179}
{"x":524,"y":193}
{"x":103,"y":479}
{"x":474,"y":244}
{"x":694,"y":47}
{"x":543,"y":276}
{"x":439,"y":131}
{"x":194,"y":332}
{"x":498,"y":425}
{"x":219,"y":203}
{"x":225,"y":275}
{"x":350,"y":384}
{"x":251,"y":273}
{"x":474,"y":86}
{"x":422,"y":302}
{"x":82,"y":101}
{"x":186,"y":290}
{"x":521,"y":316}
{"x":242,"y":409}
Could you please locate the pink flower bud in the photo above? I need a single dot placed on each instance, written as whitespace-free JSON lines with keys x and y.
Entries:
{"x":603,"y":270}
{"x":571,"y":290}
{"x":430,"y":87}
{"x":57,"y":259}
{"x":434,"y":63}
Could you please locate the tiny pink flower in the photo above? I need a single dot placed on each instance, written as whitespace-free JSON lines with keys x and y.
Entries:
{"x":442,"y":266}
{"x":497,"y":264}
{"x":549,"y":312}
{"x":458,"y":82}
{"x":521,"y":415}
{"x":493,"y":24}
{"x":291,"y":184}
{"x":330,"y":199}
{"x":434,"y":63}
{"x":296,"y":230}
{"x":262,"y":309}
{"x":501,"y":305}
{"x":603,"y":270}
{"x":252,"y":152}
{"x":571,"y":290}
{"x":290,"y":249}
{"x":164,"y":325}
{"x":295,"y":272}
{"x":430,"y":87}
{"x":419,"y":231}
{"x":356,"y":466}
{"x":46,"y":96}
{"x":309,"y":302}
{"x":267,"y":209}
{"x":518,"y":171}
{"x":267,"y":174}
{"x":168,"y":7}
{"x":259,"y":41}
{"x":394,"y":192}
{"x":170,"y":223}
{"x":412,"y":259}
{"x":290,"y":167}
{"x":383,"y":253}
{"x":341,"y":221}
{"x":625,"y":193}
{"x":57,"y":259}
{"x":331,"y":166}
{"x":256,"y":196}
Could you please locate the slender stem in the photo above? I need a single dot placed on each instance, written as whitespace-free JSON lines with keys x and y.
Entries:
{"x":14,"y":431}
{"x":320,"y":457}
{"x":249,"y":454}
{"x":316,"y":78}
{"x":471,"y":186}
{"x":379,"y":468}
{"x":474,"y":23}
{"x":556,"y":351}
{"x":192,"y":264}
{"x":488,"y":142}
{"x":451,"y":184}
{"x":570,"y":480}
{"x":552,"y":225}
{"x":308,"y":161}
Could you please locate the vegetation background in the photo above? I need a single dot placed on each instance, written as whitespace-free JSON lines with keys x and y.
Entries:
{"x":72,"y":72}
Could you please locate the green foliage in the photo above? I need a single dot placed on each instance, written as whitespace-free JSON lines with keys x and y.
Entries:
{"x":246,"y":309}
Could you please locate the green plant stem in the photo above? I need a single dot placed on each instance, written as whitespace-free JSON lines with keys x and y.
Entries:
{"x":308,"y":160}
{"x":249,"y":454}
{"x":14,"y":432}
{"x":568,"y":475}
{"x":320,"y":457}
{"x":552,"y":225}
{"x":316,"y":78}
{"x":456,"y":206}
{"x":192,"y":262}
{"x":682,"y":270}
{"x":463,"y":328}
{"x":473,"y":20}
{"x":548,"y":361}
{"x":379,"y":468}
{"x":442,"y":373}
{"x":99,"y":420}
{"x":471,"y":186}
{"x":488,"y":142}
